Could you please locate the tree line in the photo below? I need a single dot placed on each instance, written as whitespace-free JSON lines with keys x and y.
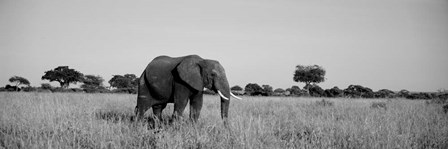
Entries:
{"x":65,"y":76}
{"x":313,"y":74}
{"x":352,"y":91}
{"x":128,"y":83}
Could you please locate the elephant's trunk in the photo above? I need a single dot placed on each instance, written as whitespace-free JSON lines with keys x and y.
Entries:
{"x":224,"y":108}
{"x":222,"y":87}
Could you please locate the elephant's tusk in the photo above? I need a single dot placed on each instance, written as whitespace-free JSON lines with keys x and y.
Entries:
{"x":222,"y":96}
{"x":233,"y":95}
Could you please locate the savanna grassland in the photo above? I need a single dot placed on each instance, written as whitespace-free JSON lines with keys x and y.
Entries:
{"x":76,"y":120}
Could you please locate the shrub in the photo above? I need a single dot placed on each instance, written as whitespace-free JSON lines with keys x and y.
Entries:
{"x":296,"y":91}
{"x":279,"y":92}
{"x":29,"y":89}
{"x":356,"y":91}
{"x":11,"y":88}
{"x":316,"y":91}
{"x":253,"y":89}
{"x":258,"y":93}
{"x":420,"y":95}
{"x":403,"y":93}
{"x":267,"y":90}
{"x":333,"y":92}
{"x":443,"y":96}
{"x":46,"y":86}
{"x":384,"y":93}
{"x":236,"y":88}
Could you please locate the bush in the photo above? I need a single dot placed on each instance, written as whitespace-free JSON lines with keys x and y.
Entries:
{"x":333,"y":92}
{"x":279,"y":92}
{"x":403,"y":93}
{"x":259,"y":93}
{"x":29,"y":89}
{"x":384,"y":93}
{"x":253,"y":89}
{"x":296,"y":91}
{"x":316,"y":91}
{"x":46,"y":86}
{"x":11,"y":88}
{"x":443,"y":96}
{"x":356,"y":91}
{"x":420,"y":95}
{"x":236,"y":88}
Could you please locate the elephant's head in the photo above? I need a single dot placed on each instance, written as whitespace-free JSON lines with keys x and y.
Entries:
{"x":203,"y":73}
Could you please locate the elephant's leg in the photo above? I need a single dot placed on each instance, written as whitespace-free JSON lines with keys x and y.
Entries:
{"x":157,"y":110}
{"x":179,"y":107}
{"x":140,"y":111}
{"x":195,"y":106}
{"x":143,"y":100}
{"x":181,"y":94}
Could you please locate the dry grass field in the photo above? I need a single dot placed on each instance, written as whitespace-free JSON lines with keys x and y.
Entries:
{"x":71,"y":120}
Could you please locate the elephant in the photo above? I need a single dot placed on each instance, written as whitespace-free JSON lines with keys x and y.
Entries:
{"x":179,"y":80}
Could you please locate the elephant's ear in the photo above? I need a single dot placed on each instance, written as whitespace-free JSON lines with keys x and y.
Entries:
{"x":190,"y":72}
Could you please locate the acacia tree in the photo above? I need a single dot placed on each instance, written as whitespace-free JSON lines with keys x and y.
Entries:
{"x":309,"y":74}
{"x":267,"y":90}
{"x":253,"y":89}
{"x":63,"y":75}
{"x":92,"y":83}
{"x":19,"y":81}
{"x":126,"y":81}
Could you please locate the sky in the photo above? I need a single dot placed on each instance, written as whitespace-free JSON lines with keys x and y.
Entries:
{"x":380,"y":44}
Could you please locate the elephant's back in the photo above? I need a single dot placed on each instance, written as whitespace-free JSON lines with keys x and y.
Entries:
{"x":161,"y":63}
{"x":158,"y":75}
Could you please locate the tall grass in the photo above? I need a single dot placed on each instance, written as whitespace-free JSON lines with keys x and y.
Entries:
{"x":70,"y":120}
